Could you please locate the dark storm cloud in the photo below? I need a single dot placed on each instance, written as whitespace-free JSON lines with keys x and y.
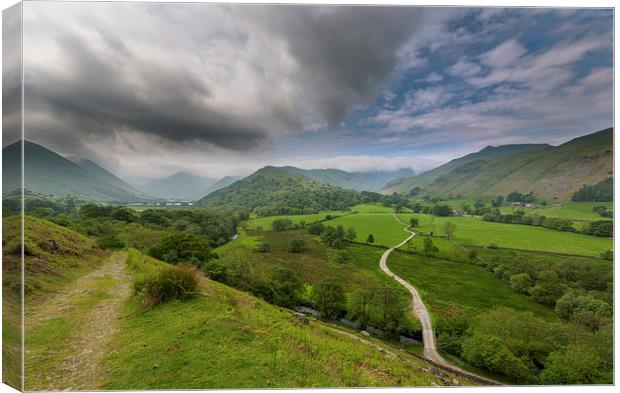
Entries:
{"x":232,"y":77}
{"x":346,"y":53}
{"x":11,"y":74}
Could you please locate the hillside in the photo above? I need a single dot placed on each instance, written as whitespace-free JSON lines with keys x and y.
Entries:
{"x":180,"y":186}
{"x":230,"y":339}
{"x":553,"y":172}
{"x":49,"y":173}
{"x":404,"y":185}
{"x":358,"y":181}
{"x":274,"y":189}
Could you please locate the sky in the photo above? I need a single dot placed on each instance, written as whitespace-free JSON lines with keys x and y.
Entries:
{"x":150,"y":89}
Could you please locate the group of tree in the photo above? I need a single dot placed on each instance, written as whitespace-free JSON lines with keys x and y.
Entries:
{"x":516,"y":196}
{"x":332,"y":236}
{"x":603,"y":211}
{"x":600,"y":192}
{"x":519,"y":217}
{"x":527,"y":348}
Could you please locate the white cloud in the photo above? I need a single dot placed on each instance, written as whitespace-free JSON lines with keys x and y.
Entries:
{"x":464,"y":68}
{"x":504,"y":55}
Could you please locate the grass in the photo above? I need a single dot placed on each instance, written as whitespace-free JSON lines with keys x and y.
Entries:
{"x":359,"y":269}
{"x":444,"y":284}
{"x":49,"y":329}
{"x":475,"y":231}
{"x":375,"y":208}
{"x":265,"y":222}
{"x":581,"y":211}
{"x":384,"y":227}
{"x":228,"y":339}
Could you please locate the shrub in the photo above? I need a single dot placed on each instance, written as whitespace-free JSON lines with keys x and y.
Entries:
{"x":263,"y":247}
{"x":297,"y":245}
{"x":281,"y":224}
{"x":603,"y":228}
{"x":183,"y":247}
{"x":175,"y":282}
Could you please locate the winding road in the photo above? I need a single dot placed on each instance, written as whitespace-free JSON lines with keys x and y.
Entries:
{"x":419,"y":310}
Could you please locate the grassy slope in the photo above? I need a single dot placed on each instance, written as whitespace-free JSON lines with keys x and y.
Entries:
{"x":444,"y":284}
{"x":228,"y":339}
{"x":46,"y":273}
{"x":489,"y":153}
{"x":475,"y":231}
{"x":552,"y":173}
{"x":49,"y":173}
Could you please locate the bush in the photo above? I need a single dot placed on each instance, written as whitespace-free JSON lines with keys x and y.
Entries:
{"x":183,"y":247}
{"x":263,"y":247}
{"x":602,"y":228}
{"x":176,"y":282}
{"x":297,"y":245}
{"x":281,"y":224}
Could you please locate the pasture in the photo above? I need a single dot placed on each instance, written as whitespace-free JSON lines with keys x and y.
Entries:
{"x":476,"y":232}
{"x":265,"y":222}
{"x":375,"y":208}
{"x":384,"y":227}
{"x":444,"y":284}
{"x":578,"y":211}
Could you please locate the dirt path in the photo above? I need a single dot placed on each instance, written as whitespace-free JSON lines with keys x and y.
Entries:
{"x":418,"y":308}
{"x":80,"y":366}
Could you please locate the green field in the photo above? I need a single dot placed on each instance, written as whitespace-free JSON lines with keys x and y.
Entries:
{"x":375,"y":208}
{"x":445,"y":284}
{"x":265,"y":222}
{"x":474,"y":231}
{"x":581,"y":211}
{"x":384,"y":227}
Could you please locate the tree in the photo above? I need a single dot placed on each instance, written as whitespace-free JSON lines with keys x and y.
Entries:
{"x":329,"y":298}
{"x":281,"y":224}
{"x":414,"y":222}
{"x":263,"y":247}
{"x":285,"y":288}
{"x":370,"y":239}
{"x":351,"y":235}
{"x":603,"y":228}
{"x":498,"y":202}
{"x":449,"y":229}
{"x":521,"y":282}
{"x":577,"y":364}
{"x":547,"y":289}
{"x":441,"y":210}
{"x":429,"y":248}
{"x":297,"y":246}
{"x":183,"y":247}
{"x":316,"y":228}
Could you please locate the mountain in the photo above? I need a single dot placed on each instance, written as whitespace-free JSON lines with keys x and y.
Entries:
{"x":554,"y":172}
{"x":358,"y":181}
{"x":404,"y":185}
{"x":181,"y":186}
{"x":278,"y":191}
{"x":49,"y":173}
{"x":223,"y":182}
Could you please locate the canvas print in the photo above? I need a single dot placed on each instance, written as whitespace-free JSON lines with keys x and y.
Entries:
{"x":208,"y":196}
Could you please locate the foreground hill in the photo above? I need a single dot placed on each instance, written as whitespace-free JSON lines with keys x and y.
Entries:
{"x":181,"y":186}
{"x":551,"y":172}
{"x":280,"y":191}
{"x":225,"y":338}
{"x":358,"y":181}
{"x":404,"y":185}
{"x":49,"y":173}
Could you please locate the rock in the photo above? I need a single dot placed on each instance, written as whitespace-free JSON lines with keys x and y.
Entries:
{"x":55,"y":247}
{"x":156,"y":365}
{"x":302,"y":317}
{"x":456,"y":382}
{"x":365,"y":333}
